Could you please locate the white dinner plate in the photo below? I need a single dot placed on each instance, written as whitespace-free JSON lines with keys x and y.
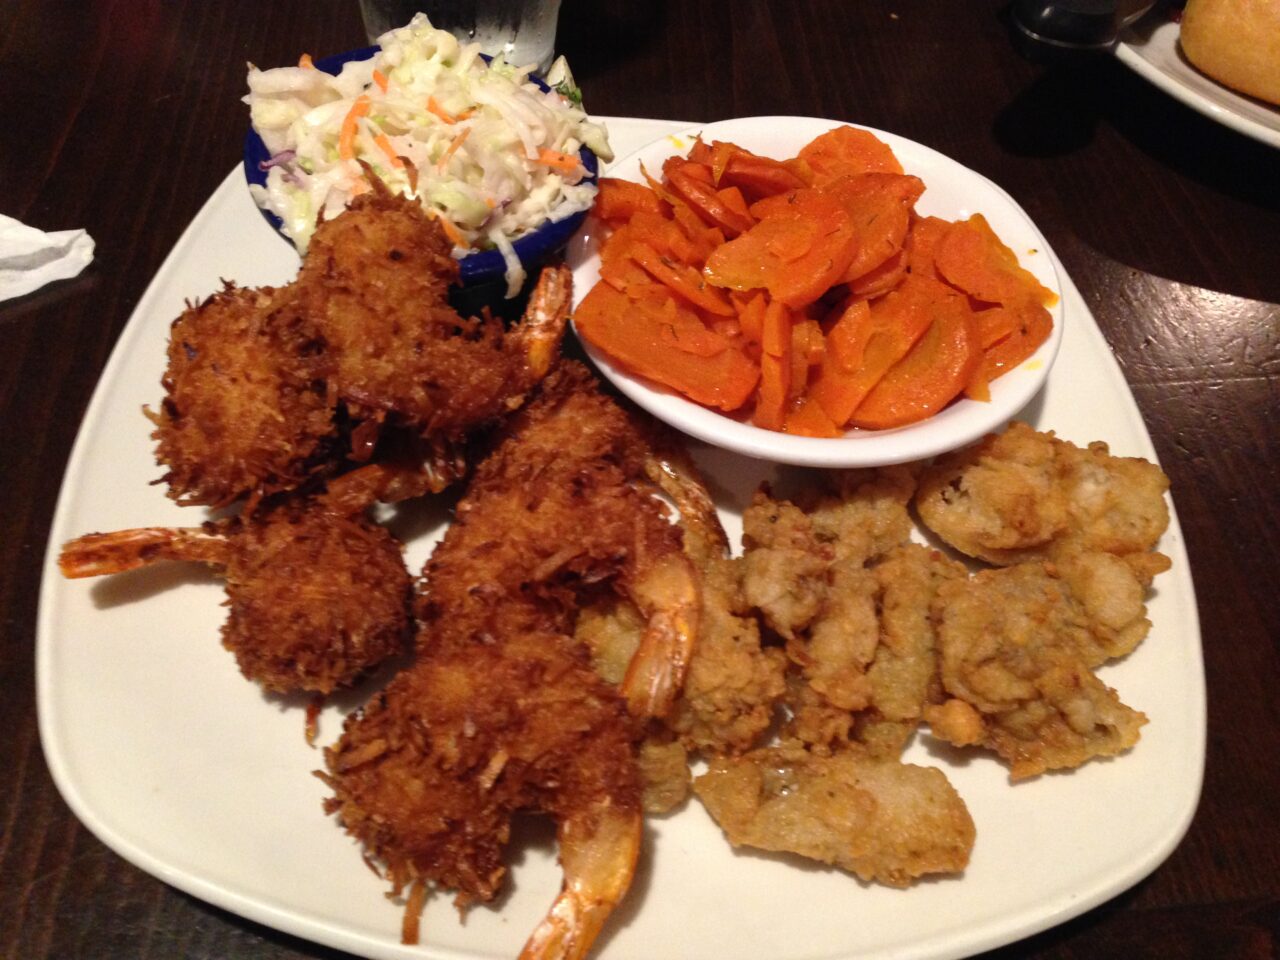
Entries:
{"x":190,"y":772}
{"x":1150,"y":48}
{"x":952,"y":192}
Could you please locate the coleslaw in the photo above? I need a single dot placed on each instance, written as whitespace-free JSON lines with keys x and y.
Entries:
{"x":476,"y":142}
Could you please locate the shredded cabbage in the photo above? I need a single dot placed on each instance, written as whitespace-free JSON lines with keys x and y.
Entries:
{"x":495,"y":156}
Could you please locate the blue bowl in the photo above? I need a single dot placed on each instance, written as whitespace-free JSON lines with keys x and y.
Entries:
{"x":483,"y":272}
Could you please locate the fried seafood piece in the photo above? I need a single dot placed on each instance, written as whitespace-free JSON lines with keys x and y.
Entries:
{"x":1022,"y":495}
{"x":502,"y":711}
{"x":370,"y":311}
{"x":862,"y":514}
{"x":240,"y":412}
{"x":1017,"y":647}
{"x":868,"y":665}
{"x":880,"y":819}
{"x":316,"y":597}
{"x":734,"y":683}
{"x":903,"y":677}
{"x":791,"y":548}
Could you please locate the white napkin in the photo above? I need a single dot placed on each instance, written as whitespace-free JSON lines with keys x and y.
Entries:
{"x":30,"y":258}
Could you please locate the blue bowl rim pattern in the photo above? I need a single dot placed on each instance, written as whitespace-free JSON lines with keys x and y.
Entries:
{"x":480,"y":267}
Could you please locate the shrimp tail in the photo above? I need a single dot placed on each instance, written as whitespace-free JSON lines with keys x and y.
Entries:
{"x":598,"y":852}
{"x":99,"y":554}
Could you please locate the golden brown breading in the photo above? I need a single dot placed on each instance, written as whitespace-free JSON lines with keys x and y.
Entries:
{"x":1016,"y":648}
{"x":1022,"y":495}
{"x":239,"y":413}
{"x":502,"y":710}
{"x":903,"y":678}
{"x":370,"y":311}
{"x":318,"y":596}
{"x":882,"y":820}
{"x":316,"y":599}
{"x":733,"y":684}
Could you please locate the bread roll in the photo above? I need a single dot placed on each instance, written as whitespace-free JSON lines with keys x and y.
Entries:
{"x":1236,"y":42}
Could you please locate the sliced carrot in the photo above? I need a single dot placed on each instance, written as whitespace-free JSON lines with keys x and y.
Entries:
{"x":932,"y":374}
{"x":996,"y":323}
{"x":868,"y":340}
{"x":847,"y":151}
{"x":1033,"y":326}
{"x":759,"y":177}
{"x":879,"y":205}
{"x":775,"y":332}
{"x":847,"y":339}
{"x":973,"y":258}
{"x":621,"y":199}
{"x":700,"y":152}
{"x":701,"y":197}
{"x":808,"y":419}
{"x":347,"y":133}
{"x":732,"y":198}
{"x":693,"y":169}
{"x":679,"y":326}
{"x":926,"y":234}
{"x":751,"y":317}
{"x":682,"y":280}
{"x":607,"y":320}
{"x":771,"y":399}
{"x":801,"y":357}
{"x":882,"y":279}
{"x":796,"y":258}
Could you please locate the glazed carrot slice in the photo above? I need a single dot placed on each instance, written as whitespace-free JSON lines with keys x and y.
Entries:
{"x":879,"y":206}
{"x":1031,"y":327}
{"x":847,"y":151}
{"x":926,"y":234}
{"x":808,"y":419}
{"x":622,"y":199}
{"x":775,"y":368}
{"x":610,"y":321}
{"x":751,"y":317}
{"x":759,"y":177}
{"x":932,"y":374}
{"x":870,"y":339}
{"x":796,"y":258}
{"x":973,"y":258}
{"x":702,"y":199}
{"x":882,"y":279}
{"x":771,"y":399}
{"x":682,"y":280}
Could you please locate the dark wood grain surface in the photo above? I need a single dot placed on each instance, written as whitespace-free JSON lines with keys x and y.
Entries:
{"x":122,"y":117}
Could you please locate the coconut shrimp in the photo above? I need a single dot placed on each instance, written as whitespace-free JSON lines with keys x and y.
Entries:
{"x":318,"y":594}
{"x":370,"y":312}
{"x":266,"y":389}
{"x":502,"y":710}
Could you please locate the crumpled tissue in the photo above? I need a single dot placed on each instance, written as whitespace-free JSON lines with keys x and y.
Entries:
{"x":31,"y":258}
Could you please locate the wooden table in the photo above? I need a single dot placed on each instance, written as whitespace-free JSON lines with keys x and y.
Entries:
{"x":122,"y":117}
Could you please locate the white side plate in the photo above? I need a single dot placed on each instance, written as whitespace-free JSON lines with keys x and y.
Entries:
{"x":187,"y":770}
{"x":1150,"y":48}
